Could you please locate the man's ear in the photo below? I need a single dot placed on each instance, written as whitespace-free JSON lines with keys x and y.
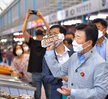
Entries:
{"x":90,"y":42}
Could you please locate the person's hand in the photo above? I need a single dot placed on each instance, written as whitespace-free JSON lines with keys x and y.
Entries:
{"x":28,"y":13}
{"x":51,"y":47}
{"x":20,"y":75}
{"x":39,"y":14}
{"x":16,"y":73}
{"x":65,"y":78}
{"x":65,"y":91}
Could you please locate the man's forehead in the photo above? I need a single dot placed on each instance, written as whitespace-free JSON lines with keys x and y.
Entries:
{"x":80,"y":32}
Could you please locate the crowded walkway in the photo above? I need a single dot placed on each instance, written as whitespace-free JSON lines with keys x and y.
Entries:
{"x":53,"y":49}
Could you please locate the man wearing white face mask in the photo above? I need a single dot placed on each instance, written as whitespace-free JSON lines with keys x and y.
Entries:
{"x":62,"y":54}
{"x":79,"y":47}
{"x":87,"y":71}
{"x":102,"y":42}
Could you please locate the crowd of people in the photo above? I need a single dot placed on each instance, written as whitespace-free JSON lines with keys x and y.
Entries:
{"x":75,"y":68}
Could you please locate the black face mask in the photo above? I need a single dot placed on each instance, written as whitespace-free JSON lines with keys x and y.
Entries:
{"x":39,"y":32}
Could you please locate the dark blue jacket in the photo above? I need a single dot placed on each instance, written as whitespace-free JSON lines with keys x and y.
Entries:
{"x":49,"y":78}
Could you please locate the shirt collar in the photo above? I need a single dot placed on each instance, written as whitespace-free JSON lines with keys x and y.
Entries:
{"x":66,"y":50}
{"x":103,"y":42}
{"x":81,"y":57}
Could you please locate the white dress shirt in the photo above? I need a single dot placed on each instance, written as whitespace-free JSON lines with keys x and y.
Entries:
{"x":62,"y":59}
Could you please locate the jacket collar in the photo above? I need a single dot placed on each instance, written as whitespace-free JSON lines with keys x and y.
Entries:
{"x":86,"y":57}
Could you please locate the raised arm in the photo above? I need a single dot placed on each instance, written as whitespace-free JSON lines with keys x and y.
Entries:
{"x":25,"y":33}
{"x":55,"y":68}
{"x":39,"y":14}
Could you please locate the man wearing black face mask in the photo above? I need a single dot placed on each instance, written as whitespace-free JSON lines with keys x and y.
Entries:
{"x":36,"y":54}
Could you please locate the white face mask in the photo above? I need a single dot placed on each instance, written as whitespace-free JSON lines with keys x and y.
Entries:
{"x":77,"y":47}
{"x":19,"y":52}
{"x":100,"y":34}
{"x":26,"y":48}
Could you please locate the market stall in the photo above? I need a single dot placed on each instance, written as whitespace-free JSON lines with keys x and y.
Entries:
{"x":14,"y":86}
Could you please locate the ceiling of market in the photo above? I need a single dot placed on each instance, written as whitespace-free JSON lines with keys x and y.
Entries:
{"x":4,"y":4}
{"x":50,"y":8}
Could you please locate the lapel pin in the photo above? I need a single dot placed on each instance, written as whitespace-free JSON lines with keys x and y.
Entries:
{"x":82,"y":74}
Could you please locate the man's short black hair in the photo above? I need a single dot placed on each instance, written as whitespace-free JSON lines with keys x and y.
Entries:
{"x":91,"y":31}
{"x":102,"y":21}
{"x":62,"y":29}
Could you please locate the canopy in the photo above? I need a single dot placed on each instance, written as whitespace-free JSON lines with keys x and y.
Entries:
{"x":4,"y":4}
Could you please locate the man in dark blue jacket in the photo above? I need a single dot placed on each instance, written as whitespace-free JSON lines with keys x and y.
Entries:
{"x":62,"y":54}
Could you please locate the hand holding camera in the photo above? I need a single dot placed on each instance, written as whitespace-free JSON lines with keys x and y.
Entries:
{"x":29,"y":12}
{"x":33,"y":12}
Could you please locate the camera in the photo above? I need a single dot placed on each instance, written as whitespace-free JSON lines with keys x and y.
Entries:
{"x":34,"y":12}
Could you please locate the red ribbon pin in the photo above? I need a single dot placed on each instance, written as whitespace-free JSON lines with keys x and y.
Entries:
{"x":82,"y":74}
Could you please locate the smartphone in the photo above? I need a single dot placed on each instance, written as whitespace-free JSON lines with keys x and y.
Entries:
{"x":34,"y":12}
